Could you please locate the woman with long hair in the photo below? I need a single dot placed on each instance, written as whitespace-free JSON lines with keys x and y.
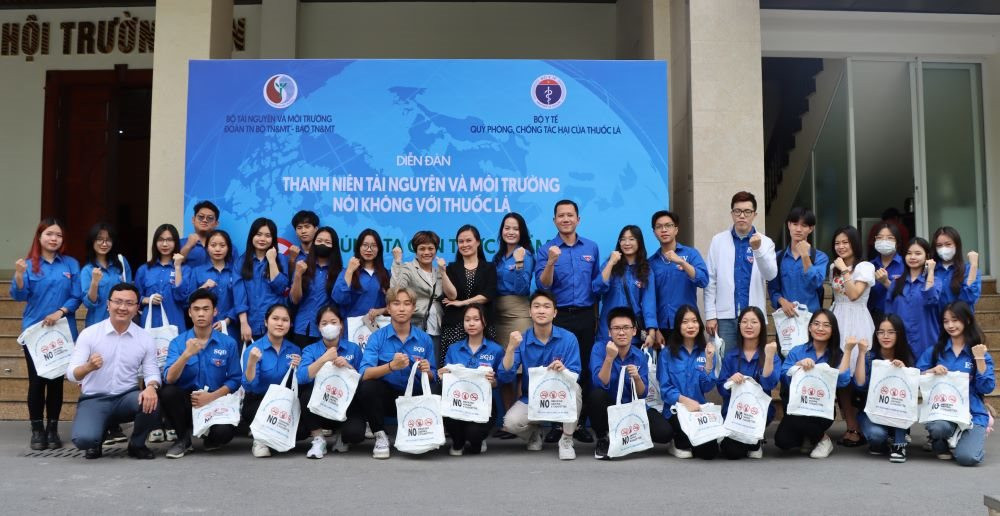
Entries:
{"x":161,"y":279}
{"x":360,"y":287}
{"x":219,"y":276}
{"x":263,"y":279}
{"x":105,"y":267}
{"x":312,"y":283}
{"x":960,"y":280}
{"x":626,"y":279}
{"x":914,"y":297}
{"x":469,"y":280}
{"x":514,"y":262}
{"x":888,"y":343}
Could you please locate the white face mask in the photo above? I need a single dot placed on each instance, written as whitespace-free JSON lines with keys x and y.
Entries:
{"x":946,"y":253}
{"x":330,"y":331}
{"x":885,"y":247}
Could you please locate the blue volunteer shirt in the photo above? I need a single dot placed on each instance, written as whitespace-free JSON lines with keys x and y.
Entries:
{"x":216,"y":365}
{"x":562,"y":346}
{"x":198,"y":256}
{"x":684,"y":375}
{"x":634,"y":357}
{"x":224,"y":289}
{"x":794,"y":284}
{"x":574,"y":272}
{"x":55,"y":286}
{"x":489,"y":354}
{"x":271,"y":367}
{"x":510,"y":280}
{"x":808,"y":351}
{"x":742,"y":269}
{"x":918,"y":308}
{"x":613,"y":295}
{"x":968,"y":293}
{"x":255,"y":295}
{"x":312,"y":300}
{"x":355,"y":302}
{"x":735,"y":361}
{"x":980,"y":384}
{"x":383,"y":345}
{"x":159,"y":279}
{"x":345,"y":348}
{"x":674,"y":287}
{"x":878,"y":294}
{"x":97,"y":311}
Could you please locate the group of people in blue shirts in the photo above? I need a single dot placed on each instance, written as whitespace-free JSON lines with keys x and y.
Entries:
{"x":246,"y":319}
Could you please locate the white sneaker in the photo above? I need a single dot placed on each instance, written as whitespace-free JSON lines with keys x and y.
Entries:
{"x":566,"y":451}
{"x":944,"y":456}
{"x":171,"y":435}
{"x":318,"y":449}
{"x":338,"y":444}
{"x":679,"y":453}
{"x":381,"y":450}
{"x":455,"y":453}
{"x":327,"y":432}
{"x":260,"y":449}
{"x":756,"y":454}
{"x":368,"y":432}
{"x":535,"y":440}
{"x":823,"y":448}
{"x":156,"y":436}
{"x":482,"y":447}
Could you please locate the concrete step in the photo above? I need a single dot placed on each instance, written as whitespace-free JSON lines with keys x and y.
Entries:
{"x":16,"y":389}
{"x":18,"y":411}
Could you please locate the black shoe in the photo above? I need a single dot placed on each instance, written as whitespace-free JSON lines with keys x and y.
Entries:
{"x":94,"y":453}
{"x":39,"y":440}
{"x":179,"y":449}
{"x":583,"y":435}
{"x":554,"y":434}
{"x":210,"y":445}
{"x":503,"y":434}
{"x":601,"y":449}
{"x":55,"y":442}
{"x":140,"y":452}
{"x":898,"y":454}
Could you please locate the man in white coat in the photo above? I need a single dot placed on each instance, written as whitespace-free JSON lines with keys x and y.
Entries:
{"x":740,"y":263}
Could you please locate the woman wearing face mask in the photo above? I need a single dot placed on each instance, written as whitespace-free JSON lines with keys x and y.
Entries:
{"x":914,"y":297}
{"x":473,"y":352}
{"x":336,"y":349}
{"x":263,"y":278}
{"x":219,"y":277}
{"x":961,"y":348}
{"x":423,"y":276}
{"x":809,"y":432}
{"x":265,"y":362}
{"x":104,"y":268}
{"x":960,"y":281}
{"x":890,"y":344}
{"x":360,"y":288}
{"x":469,"y":280}
{"x":312,"y":283}
{"x":627,"y":280}
{"x":888,"y":263}
{"x":851,"y":281}
{"x":49,"y":282}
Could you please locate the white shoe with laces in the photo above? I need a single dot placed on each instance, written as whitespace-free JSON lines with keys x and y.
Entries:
{"x":535,"y":440}
{"x":156,"y":436}
{"x":260,"y":449}
{"x":679,"y":453}
{"x":756,"y":454}
{"x":368,"y":432}
{"x":482,"y":447}
{"x":318,"y":448}
{"x":339,"y":445}
{"x":381,"y":450}
{"x":823,"y":448}
{"x":566,"y":451}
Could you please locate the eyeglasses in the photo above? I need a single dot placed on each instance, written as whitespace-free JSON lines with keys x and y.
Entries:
{"x":122,"y":302}
{"x":886,"y":333}
{"x":164,"y":240}
{"x":369,"y":247}
{"x":660,"y":227}
{"x":103,"y":241}
{"x":621,"y":329}
{"x":824,"y":325}
{"x":745,"y":213}
{"x":205,"y":218}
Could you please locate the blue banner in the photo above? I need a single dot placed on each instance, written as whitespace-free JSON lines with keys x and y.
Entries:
{"x":405,"y":145}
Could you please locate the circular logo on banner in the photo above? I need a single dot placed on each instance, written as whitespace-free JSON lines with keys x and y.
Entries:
{"x":280,"y":91}
{"x":548,"y":92}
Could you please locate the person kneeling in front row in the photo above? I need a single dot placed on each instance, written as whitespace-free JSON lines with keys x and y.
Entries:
{"x":202,"y":366}
{"x":108,"y":357}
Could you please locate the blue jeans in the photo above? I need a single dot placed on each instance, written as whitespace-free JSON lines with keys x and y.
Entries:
{"x":878,"y":435}
{"x":971,"y":449}
{"x":94,"y":414}
{"x":728,"y":330}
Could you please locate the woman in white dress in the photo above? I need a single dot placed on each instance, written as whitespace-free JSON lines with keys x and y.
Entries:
{"x":852,"y":280}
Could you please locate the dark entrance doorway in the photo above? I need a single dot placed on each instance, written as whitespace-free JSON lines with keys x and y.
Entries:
{"x":95,"y":166}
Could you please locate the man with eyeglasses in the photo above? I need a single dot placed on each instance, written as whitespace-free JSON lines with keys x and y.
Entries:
{"x":607,"y":364}
{"x":740,"y":263}
{"x":678,"y":272}
{"x":202,"y":366}
{"x":106,"y":361}
{"x":204,"y":221}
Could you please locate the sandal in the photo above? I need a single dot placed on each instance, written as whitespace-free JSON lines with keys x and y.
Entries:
{"x":849,"y":443}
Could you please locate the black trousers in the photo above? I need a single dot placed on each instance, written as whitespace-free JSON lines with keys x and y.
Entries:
{"x":733,"y":449}
{"x":463,"y":432}
{"x":377,"y":398}
{"x":352,"y":430}
{"x":582,"y":323}
{"x":599,"y":400}
{"x":175,"y":403}
{"x":45,"y":396}
{"x":707,"y":451}
{"x":794,"y":429}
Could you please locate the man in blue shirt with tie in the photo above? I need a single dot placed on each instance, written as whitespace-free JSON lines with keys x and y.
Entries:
{"x":567,"y":266}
